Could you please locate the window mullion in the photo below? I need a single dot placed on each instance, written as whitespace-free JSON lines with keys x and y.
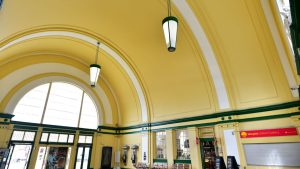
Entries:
{"x":46,"y":103}
{"x":80,"y":109}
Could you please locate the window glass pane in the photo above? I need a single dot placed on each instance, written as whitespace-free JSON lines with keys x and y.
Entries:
{"x":89,"y":118}
{"x":161,"y":147}
{"x":63,"y":105}
{"x":30,"y":107}
{"x":86,"y":158}
{"x":17,"y":135}
{"x":182,"y":144}
{"x":68,"y":157}
{"x":81,"y":139}
{"x":79,"y":157}
{"x":286,"y":18}
{"x":89,"y":139}
{"x":71,"y":139}
{"x":53,"y":137}
{"x":63,"y":138}
{"x":44,"y":137}
{"x":29,"y":136}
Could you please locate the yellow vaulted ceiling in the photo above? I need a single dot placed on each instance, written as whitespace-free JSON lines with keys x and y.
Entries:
{"x":175,"y":85}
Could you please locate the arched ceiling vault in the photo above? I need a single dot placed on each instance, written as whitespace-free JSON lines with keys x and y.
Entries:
{"x":225,"y":59}
{"x":63,"y":50}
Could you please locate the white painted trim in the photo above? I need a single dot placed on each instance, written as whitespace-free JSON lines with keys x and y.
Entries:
{"x":207,"y":50}
{"x":104,"y":47}
{"x":16,"y":77}
{"x":280,"y":47}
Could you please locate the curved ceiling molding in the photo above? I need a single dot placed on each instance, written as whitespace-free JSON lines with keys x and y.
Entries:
{"x":104,"y":47}
{"x":16,"y":77}
{"x":280,"y":47}
{"x":209,"y":55}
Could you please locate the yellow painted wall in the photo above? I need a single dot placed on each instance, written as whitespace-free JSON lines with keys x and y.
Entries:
{"x":5,"y":134}
{"x":245,"y":50}
{"x":131,"y":139}
{"x":101,"y":141}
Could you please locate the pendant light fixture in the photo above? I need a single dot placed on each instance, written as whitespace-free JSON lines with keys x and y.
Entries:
{"x":95,"y":69}
{"x":170,"y":24}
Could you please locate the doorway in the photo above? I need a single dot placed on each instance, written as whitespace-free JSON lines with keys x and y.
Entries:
{"x":83,"y":157}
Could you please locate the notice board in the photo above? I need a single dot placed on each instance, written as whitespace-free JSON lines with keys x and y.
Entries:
{"x":275,"y":154}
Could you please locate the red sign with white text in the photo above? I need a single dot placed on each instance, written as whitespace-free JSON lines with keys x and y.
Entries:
{"x":269,"y":133}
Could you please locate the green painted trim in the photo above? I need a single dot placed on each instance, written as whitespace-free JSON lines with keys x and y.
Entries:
{"x":4,"y":123}
{"x":125,"y":128}
{"x":6,"y":115}
{"x":87,"y":132}
{"x":207,"y":139}
{"x":211,"y":116}
{"x":52,"y":128}
{"x":21,"y":127}
{"x":116,"y":130}
{"x":102,"y":132}
{"x":58,"y":130}
{"x":55,"y":143}
{"x":231,"y":113}
{"x":160,"y":160}
{"x":182,"y":162}
{"x":294,"y":30}
{"x":232,"y":121}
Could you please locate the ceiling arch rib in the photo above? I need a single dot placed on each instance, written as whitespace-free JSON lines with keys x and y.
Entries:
{"x":107,"y":49}
{"x":280,"y":48}
{"x":16,"y":77}
{"x":207,"y":50}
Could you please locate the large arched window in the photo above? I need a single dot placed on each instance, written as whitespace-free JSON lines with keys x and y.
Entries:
{"x":57,"y":103}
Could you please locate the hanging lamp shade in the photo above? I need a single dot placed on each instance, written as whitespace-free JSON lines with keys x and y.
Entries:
{"x":170,"y":25}
{"x":94,"y":73}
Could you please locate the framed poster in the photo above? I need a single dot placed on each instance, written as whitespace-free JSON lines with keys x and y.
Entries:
{"x":57,"y":158}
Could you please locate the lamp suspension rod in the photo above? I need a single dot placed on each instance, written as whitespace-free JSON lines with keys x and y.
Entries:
{"x":98,"y":44}
{"x":169,"y":8}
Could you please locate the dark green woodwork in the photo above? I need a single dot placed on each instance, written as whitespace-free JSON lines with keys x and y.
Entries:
{"x":182,"y":162}
{"x":6,"y":115}
{"x":218,"y":117}
{"x":221,"y":115}
{"x":295,"y":30}
{"x":207,"y":139}
{"x":51,"y":128}
{"x":160,"y":161}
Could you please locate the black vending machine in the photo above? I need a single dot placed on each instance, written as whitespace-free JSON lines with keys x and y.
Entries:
{"x":220,"y":164}
{"x":231,"y":163}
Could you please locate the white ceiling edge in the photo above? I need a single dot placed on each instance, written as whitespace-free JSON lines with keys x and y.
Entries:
{"x":207,"y":50}
{"x":14,"y":78}
{"x":104,"y":47}
{"x":280,"y":47}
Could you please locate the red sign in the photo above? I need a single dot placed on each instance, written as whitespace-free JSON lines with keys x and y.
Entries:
{"x":269,"y":133}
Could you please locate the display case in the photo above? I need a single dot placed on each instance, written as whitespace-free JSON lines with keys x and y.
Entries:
{"x":208,"y":152}
{"x":208,"y":147}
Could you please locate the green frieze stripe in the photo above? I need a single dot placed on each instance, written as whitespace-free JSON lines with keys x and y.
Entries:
{"x":230,"y":113}
{"x":160,"y":160}
{"x":211,"y":116}
{"x":6,"y":115}
{"x":47,"y":127}
{"x":182,"y":162}
{"x":231,"y":121}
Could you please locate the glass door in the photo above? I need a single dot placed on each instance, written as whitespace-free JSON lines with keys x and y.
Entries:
{"x":83,"y":157}
{"x":19,"y":156}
